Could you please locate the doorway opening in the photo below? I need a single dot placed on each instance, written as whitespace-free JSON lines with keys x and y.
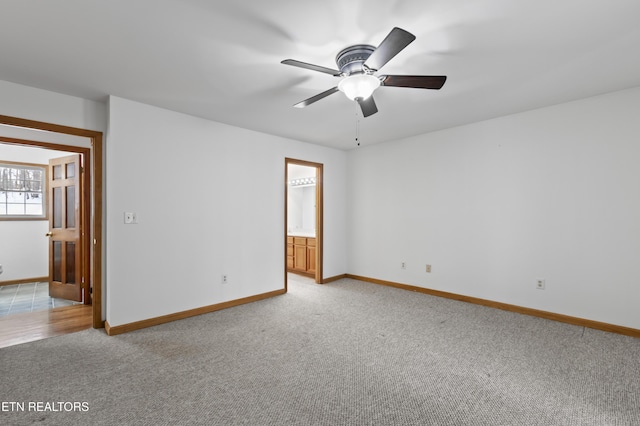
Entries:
{"x":36,"y":217}
{"x":303,"y":218}
{"x":88,"y":247}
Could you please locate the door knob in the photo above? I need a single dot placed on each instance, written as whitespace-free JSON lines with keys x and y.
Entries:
{"x":49,"y":234}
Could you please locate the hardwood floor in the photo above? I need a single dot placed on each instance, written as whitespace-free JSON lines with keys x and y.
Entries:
{"x":31,"y":326}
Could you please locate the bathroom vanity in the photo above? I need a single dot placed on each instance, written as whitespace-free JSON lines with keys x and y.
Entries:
{"x":301,"y":254}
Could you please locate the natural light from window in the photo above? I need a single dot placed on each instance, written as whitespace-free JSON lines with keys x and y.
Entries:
{"x":22,"y":191}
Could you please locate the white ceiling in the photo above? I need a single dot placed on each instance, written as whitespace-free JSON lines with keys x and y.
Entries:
{"x":220,"y":59}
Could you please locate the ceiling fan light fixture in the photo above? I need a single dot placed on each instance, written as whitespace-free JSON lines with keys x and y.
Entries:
{"x":359,"y":86}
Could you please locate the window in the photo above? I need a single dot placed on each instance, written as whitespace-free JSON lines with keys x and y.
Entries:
{"x":23,"y":191}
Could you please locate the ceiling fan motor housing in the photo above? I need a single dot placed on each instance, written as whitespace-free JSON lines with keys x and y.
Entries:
{"x":351,"y":59}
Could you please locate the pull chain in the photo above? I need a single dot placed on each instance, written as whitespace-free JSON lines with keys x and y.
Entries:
{"x":357,"y":126}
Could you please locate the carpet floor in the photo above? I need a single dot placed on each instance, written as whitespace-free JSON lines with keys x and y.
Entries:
{"x":345,"y":353}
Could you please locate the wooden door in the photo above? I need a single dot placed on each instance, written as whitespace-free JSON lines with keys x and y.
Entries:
{"x":65,"y":248}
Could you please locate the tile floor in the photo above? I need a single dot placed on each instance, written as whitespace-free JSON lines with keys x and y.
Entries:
{"x":30,"y":297}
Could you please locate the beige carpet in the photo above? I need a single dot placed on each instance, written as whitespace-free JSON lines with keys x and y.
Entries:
{"x":345,"y":353}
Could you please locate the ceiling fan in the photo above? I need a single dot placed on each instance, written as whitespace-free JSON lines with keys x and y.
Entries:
{"x":358,"y":64}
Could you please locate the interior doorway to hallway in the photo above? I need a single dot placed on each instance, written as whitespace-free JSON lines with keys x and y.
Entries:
{"x":53,"y":136}
{"x":42,"y":221}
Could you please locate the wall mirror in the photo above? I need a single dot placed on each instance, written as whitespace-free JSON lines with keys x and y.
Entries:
{"x":301,"y":214}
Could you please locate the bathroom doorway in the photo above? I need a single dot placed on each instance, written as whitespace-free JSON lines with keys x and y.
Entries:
{"x":303,"y":218}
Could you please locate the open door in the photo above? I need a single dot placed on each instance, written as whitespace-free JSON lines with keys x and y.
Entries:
{"x":65,"y":246}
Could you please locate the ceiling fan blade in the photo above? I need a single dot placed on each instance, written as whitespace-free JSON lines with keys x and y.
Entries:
{"x":395,"y":41}
{"x":316,"y":98}
{"x":368,"y":106}
{"x":415,"y":81}
{"x":312,"y":67}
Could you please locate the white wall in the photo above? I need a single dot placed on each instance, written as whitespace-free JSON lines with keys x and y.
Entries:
{"x":551,"y":193}
{"x":24,"y":248}
{"x":41,"y":105}
{"x":225,"y":215}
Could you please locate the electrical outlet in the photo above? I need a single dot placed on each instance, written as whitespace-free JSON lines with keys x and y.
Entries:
{"x":130,"y":217}
{"x":403,"y":265}
{"x":223,"y":279}
{"x":540,"y":284}
{"x":429,"y":268}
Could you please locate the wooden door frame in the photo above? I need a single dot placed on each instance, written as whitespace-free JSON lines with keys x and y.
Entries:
{"x":92,"y":194}
{"x":319,"y":214}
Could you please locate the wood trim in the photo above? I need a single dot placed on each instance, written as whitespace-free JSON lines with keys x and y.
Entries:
{"x":286,"y":224}
{"x":125,"y":328}
{"x":319,"y":221}
{"x":612,"y":328}
{"x":40,"y":125}
{"x":96,"y":247}
{"x":332,"y":279}
{"x":25,"y":281}
{"x":96,"y":139}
